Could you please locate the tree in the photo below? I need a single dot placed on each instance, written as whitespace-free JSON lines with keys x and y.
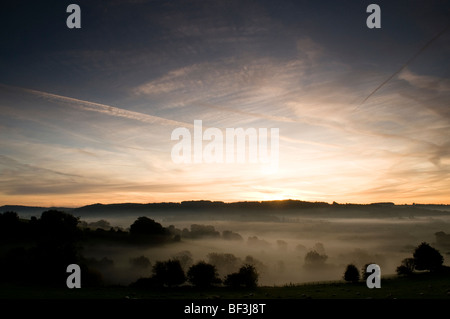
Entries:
{"x":8,"y":219}
{"x":203,"y":275}
{"x":407,"y":267}
{"x":351,"y":273}
{"x":10,"y":225}
{"x":102,"y":224}
{"x":225,"y":263}
{"x":313,"y":259}
{"x":250,"y":260}
{"x":57,"y":245}
{"x":427,"y":258}
{"x":58,"y":227}
{"x":185,"y":259}
{"x":168,"y":273}
{"x":146,"y":227}
{"x":203,"y":231}
{"x":247,"y":277}
{"x":229,"y":235}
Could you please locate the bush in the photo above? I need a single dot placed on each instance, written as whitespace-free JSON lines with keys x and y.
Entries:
{"x":247,"y":277}
{"x":9,"y":224}
{"x":407,"y":267}
{"x":185,"y":259}
{"x":427,"y":258}
{"x":351,"y":273}
{"x":168,"y":273}
{"x":225,"y":263}
{"x":203,"y":275}
{"x":314,"y":260}
{"x":144,"y":226}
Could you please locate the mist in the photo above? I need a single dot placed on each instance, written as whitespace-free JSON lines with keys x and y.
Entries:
{"x":276,"y":249}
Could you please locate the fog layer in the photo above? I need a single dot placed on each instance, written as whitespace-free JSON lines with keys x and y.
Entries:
{"x":277,"y":249}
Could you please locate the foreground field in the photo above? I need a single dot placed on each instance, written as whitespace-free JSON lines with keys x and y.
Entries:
{"x":419,"y":286}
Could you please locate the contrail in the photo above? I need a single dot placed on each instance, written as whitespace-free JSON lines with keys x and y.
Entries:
{"x":406,"y":64}
{"x":102,"y":108}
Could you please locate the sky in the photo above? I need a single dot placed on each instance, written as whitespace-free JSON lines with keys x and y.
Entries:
{"x":87,"y":114}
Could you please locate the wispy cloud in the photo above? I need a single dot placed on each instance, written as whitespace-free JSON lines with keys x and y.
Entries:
{"x":432,"y":83}
{"x":101,"y":108}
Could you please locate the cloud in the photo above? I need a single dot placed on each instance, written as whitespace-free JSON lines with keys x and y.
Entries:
{"x":18,"y":178}
{"x":12,"y":165}
{"x":309,"y":49}
{"x":425,"y":82}
{"x":101,"y":108}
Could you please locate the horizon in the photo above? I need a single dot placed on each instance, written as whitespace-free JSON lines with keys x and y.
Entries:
{"x":92,"y":115}
{"x":232,"y":202}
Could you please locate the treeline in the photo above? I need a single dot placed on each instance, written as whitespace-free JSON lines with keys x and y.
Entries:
{"x":243,"y":205}
{"x":170,"y":273}
{"x":273,"y":211}
{"x":48,"y":244}
{"x":201,"y":205}
{"x":38,"y":251}
{"x":146,"y":231}
{"x":143,"y":230}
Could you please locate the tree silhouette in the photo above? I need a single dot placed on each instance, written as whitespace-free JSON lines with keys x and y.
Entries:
{"x":185,"y":259}
{"x":229,"y":235}
{"x":203,"y":275}
{"x":9,"y":225}
{"x":427,"y":258}
{"x":57,"y":246}
{"x":313,"y":259}
{"x":203,"y":231}
{"x":58,"y":226}
{"x":168,"y":273}
{"x":250,"y":260}
{"x":224,"y":263}
{"x":49,"y":244}
{"x":144,"y":226}
{"x":351,"y":273}
{"x":146,"y":231}
{"x":407,"y":267}
{"x":247,"y":277}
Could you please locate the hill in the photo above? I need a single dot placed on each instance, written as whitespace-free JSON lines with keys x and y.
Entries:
{"x":246,"y":210}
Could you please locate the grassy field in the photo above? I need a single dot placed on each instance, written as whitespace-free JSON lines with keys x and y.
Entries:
{"x":419,"y":286}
